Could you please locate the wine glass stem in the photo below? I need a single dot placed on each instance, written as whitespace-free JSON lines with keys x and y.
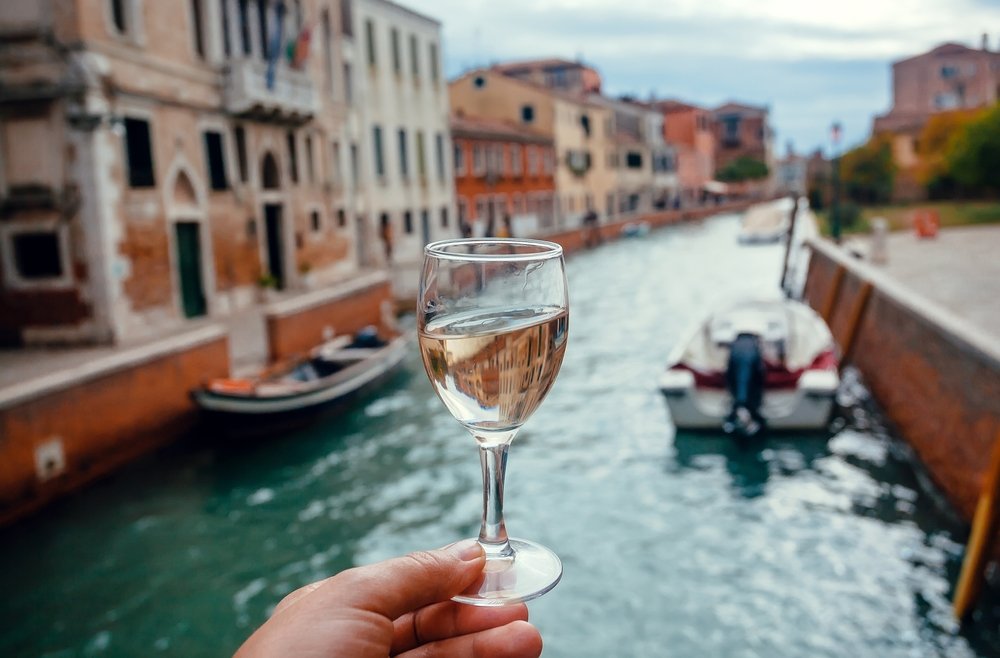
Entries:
{"x":493,"y":533}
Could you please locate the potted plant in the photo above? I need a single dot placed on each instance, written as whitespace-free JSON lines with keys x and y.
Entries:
{"x":305,"y":270}
{"x":268,"y":285}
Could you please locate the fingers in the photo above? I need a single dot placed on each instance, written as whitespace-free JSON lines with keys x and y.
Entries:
{"x":449,"y":619}
{"x":518,"y":639}
{"x":395,"y":587}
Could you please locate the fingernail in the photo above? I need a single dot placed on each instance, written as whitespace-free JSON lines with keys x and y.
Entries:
{"x":466,"y":550}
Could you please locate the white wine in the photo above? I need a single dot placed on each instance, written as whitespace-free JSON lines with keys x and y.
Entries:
{"x":493,"y":367}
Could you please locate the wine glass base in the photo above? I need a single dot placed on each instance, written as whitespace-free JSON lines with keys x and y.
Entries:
{"x":533,"y":571}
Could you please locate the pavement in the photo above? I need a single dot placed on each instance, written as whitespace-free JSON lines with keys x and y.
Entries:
{"x":959,"y":270}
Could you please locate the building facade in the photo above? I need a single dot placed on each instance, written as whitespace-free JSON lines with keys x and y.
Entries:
{"x":503,"y":171}
{"x":400,"y":123}
{"x":557,"y":74}
{"x":688,"y":128}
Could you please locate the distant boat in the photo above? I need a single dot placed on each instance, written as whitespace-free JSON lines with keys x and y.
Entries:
{"x":766,"y":223}
{"x":329,"y":374}
{"x":635,"y":229}
{"x":752,"y":365}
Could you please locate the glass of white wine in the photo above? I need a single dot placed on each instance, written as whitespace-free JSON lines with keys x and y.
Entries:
{"x":492,"y":318}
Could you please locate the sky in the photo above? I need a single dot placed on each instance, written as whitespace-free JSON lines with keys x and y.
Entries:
{"x":812,"y":63}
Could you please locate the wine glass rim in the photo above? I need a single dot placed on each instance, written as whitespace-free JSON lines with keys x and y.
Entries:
{"x":441,"y":249}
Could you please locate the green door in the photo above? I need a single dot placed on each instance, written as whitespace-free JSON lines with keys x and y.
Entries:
{"x":189,"y":269}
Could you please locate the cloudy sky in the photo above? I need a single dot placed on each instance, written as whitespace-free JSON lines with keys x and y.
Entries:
{"x":812,"y":62}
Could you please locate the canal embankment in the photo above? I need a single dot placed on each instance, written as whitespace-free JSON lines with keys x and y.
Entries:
{"x":934,"y":371}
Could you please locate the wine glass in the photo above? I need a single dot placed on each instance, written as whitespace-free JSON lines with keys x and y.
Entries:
{"x":492,"y":319}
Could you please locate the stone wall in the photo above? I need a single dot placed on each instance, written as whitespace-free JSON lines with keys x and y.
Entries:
{"x":937,"y":379}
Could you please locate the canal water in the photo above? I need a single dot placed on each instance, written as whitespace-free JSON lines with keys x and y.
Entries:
{"x":673,"y":545}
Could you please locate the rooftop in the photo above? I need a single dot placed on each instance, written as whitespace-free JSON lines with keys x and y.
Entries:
{"x":464,"y":126}
{"x":544,"y":63}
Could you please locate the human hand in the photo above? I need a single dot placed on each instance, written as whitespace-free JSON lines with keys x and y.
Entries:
{"x":399,"y":607}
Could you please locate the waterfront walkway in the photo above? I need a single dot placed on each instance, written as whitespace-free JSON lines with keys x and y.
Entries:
{"x":959,"y":270}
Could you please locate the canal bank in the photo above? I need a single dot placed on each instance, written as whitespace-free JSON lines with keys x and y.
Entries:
{"x":68,"y":417}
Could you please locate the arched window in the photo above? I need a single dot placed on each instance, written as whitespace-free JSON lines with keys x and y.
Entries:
{"x":270,"y":177}
{"x":118,"y":15}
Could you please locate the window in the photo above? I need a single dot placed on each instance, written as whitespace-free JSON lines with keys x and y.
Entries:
{"x":244,"y":19}
{"x":444,"y":216}
{"x":336,"y":175}
{"x":548,"y":161}
{"x":527,"y":113}
{"x":328,"y":51}
{"x":370,"y":41}
{"x":314,"y":221}
{"x":408,"y":221}
{"x":196,"y":28}
{"x":421,"y":156}
{"x":481,"y":203}
{"x":610,"y":204}
{"x":346,"y":19}
{"x":37,"y":255}
{"x":240,"y":136}
{"x":633,"y":160}
{"x":293,"y":156}
{"x":227,"y":46}
{"x":948,"y":72}
{"x":439,"y":155}
{"x":139,"y":153}
{"x":377,"y":151}
{"x":118,"y":15}
{"x":479,"y":82}
{"x":310,"y":163}
{"x":585,"y":124}
{"x":348,"y":84}
{"x":404,"y":165}
{"x":435,"y":75}
{"x":459,"y":160}
{"x":517,"y":203}
{"x":216,"y":161}
{"x":463,"y":211}
{"x":262,"y":26}
{"x":355,"y":167}
{"x":341,"y":218}
{"x":397,"y":58}
{"x":516,"y":164}
{"x":478,"y":160}
{"x":532,"y":161}
{"x":414,"y":57}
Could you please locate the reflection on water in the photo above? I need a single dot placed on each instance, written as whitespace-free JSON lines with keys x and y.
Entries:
{"x":687,"y":545}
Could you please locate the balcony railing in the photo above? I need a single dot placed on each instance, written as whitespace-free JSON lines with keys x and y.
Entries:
{"x":291,"y":97}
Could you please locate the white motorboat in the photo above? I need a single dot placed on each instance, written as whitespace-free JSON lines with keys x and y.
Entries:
{"x":754,"y":364}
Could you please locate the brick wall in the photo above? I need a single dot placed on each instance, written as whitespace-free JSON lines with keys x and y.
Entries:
{"x":101,"y":420}
{"x":941,"y":389}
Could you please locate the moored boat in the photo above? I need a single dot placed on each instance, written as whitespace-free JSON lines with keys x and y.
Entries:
{"x":330,"y":373}
{"x":752,"y":365}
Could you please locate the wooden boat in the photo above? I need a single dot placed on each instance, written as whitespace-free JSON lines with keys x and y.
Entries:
{"x":330,"y":373}
{"x":752,"y":365}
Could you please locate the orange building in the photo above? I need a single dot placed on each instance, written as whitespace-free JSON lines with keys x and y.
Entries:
{"x":688,"y":128}
{"x":503,"y":170}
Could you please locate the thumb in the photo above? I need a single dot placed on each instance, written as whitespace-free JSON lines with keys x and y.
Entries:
{"x":404,"y":584}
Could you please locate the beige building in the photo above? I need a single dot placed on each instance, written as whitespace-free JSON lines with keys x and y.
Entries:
{"x":161,"y":160}
{"x":573,"y":123}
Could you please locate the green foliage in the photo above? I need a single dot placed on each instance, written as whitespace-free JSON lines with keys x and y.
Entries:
{"x":742,"y":169}
{"x":850,"y":215}
{"x":868,"y":171}
{"x":816,"y":199}
{"x":973,"y":157}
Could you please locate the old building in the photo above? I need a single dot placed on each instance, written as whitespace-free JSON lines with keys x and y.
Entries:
{"x":163,"y":160}
{"x":947,"y":78}
{"x":688,"y":129}
{"x":503,"y":170}
{"x":744,"y":131}
{"x":401,"y":126}
{"x":574,"y":124}
{"x":558,"y":74}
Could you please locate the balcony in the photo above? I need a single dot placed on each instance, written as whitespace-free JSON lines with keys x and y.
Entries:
{"x":292,"y":97}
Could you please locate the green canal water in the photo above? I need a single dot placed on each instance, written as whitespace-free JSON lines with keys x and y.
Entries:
{"x":673,"y":545}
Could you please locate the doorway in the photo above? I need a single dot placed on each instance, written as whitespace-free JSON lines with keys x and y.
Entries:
{"x":275,"y":244}
{"x":189,"y":269}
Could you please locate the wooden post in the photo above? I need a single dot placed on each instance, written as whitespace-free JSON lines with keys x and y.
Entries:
{"x":788,"y":244}
{"x":985,"y":525}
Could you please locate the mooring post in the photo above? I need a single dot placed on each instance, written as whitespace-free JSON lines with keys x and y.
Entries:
{"x":985,"y":525}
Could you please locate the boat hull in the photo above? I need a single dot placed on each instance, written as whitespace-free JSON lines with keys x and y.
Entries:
{"x":807,"y":407}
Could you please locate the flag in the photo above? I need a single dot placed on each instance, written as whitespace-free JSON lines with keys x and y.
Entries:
{"x":301,"y":53}
{"x":274,"y":48}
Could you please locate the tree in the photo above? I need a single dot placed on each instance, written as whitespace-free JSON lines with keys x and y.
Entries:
{"x":868,"y":171}
{"x":741,"y":169}
{"x":934,"y":143}
{"x":973,"y":156}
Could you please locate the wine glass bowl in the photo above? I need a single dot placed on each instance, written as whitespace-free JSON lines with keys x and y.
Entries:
{"x":492,"y":322}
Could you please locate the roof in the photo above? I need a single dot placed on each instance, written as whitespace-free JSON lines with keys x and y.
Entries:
{"x":741,"y":108}
{"x":407,"y":10}
{"x":579,"y":99}
{"x":949,"y":49}
{"x":463,"y":126}
{"x":545,"y":63}
{"x":670,"y":105}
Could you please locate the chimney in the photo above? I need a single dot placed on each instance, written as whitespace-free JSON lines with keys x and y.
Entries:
{"x":986,"y":42}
